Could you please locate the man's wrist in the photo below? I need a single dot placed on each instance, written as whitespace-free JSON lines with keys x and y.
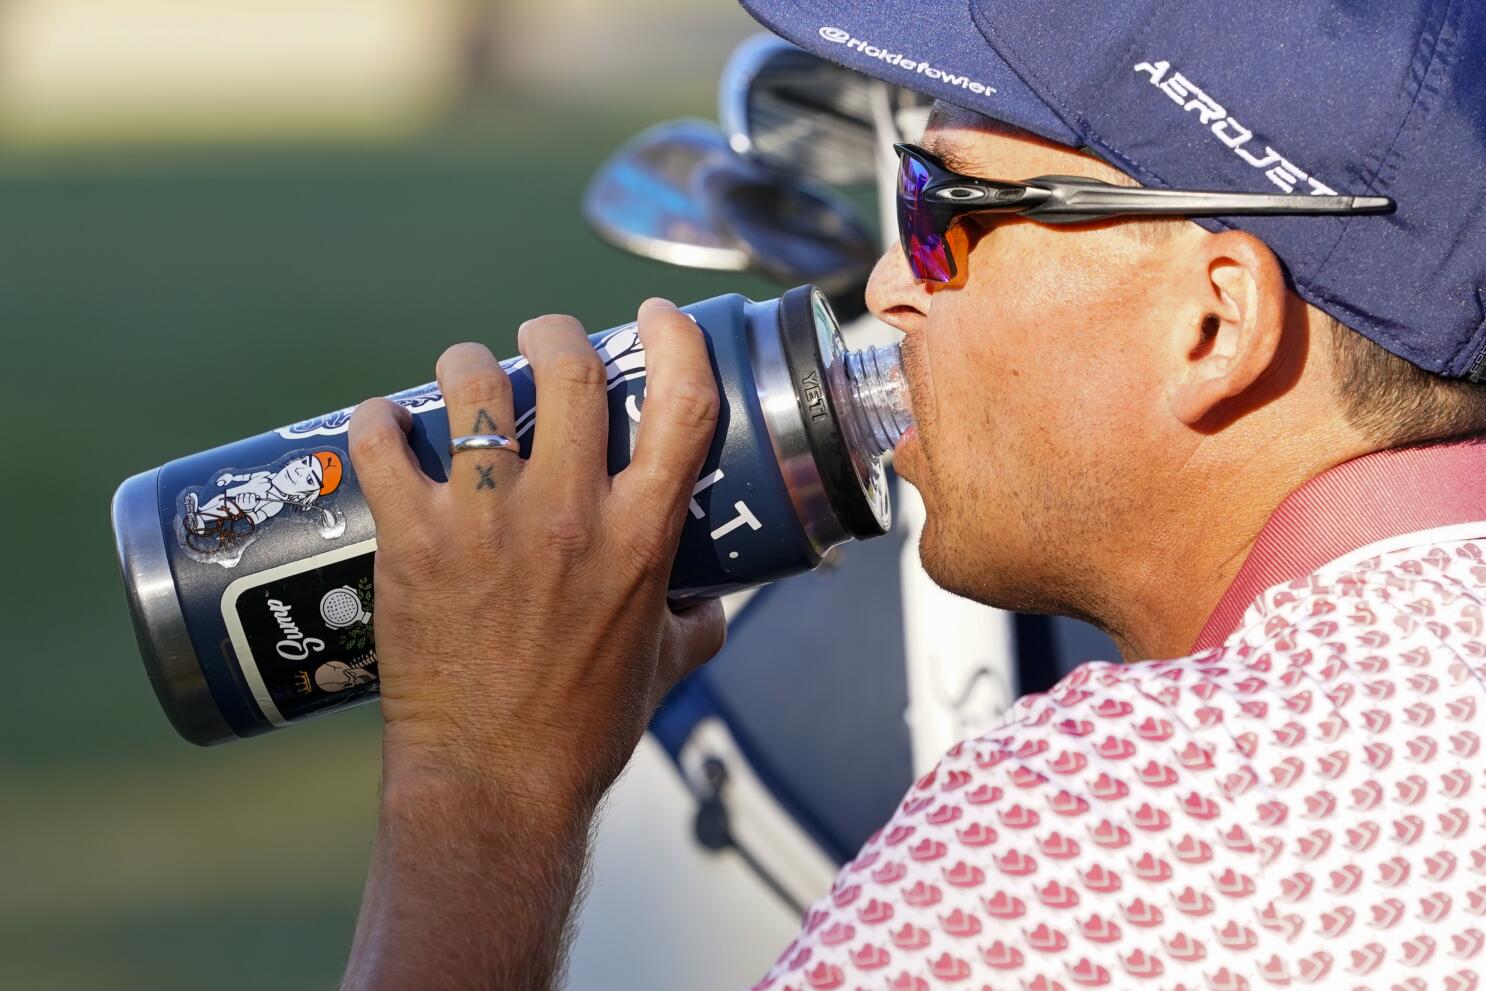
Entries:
{"x":471,"y":874}
{"x":420,"y":778}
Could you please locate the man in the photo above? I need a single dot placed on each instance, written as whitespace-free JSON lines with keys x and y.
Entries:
{"x":1235,"y":443}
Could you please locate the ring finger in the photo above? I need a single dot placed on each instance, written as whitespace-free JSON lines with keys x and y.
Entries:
{"x":477,"y":398}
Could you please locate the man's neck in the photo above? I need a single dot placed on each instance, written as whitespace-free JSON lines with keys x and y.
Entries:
{"x":1162,"y":616}
{"x":1193,"y":553}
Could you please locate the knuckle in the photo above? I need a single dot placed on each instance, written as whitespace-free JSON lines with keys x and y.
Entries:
{"x":656,"y":479}
{"x":674,"y":341}
{"x":374,"y":442}
{"x":650,"y":551}
{"x":492,"y":538}
{"x":415,"y":556}
{"x":486,"y":386}
{"x":577,"y":369}
{"x":693,"y":403}
{"x":567,"y":534}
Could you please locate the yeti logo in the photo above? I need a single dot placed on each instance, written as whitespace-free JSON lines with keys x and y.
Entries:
{"x":814,"y":396}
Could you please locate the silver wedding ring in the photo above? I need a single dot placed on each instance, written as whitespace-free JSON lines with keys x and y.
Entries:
{"x":483,"y":442}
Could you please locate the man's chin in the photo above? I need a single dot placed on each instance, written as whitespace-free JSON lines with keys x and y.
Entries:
{"x":955,"y":569}
{"x":950,"y":568}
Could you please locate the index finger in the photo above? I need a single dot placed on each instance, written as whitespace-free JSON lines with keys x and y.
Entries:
{"x":679,"y":416}
{"x":395,"y":487}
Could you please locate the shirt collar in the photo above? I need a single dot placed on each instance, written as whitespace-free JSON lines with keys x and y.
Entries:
{"x":1374,"y":497}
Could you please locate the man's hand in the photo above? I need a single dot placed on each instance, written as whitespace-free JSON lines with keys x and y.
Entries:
{"x":523,"y":641}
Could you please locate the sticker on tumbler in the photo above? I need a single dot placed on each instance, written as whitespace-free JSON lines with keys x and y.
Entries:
{"x":216,"y":522}
{"x":302,"y":633}
{"x":345,"y":606}
{"x":423,"y":399}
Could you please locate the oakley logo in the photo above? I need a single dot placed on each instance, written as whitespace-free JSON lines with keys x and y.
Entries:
{"x":837,"y":36}
{"x":1186,"y":94}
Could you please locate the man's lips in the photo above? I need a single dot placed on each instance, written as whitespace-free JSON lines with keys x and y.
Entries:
{"x":906,"y":453}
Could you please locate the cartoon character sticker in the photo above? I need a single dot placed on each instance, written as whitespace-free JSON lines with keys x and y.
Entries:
{"x":217,"y":522}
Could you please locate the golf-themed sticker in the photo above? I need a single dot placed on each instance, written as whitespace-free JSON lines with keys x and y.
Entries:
{"x":340,"y":676}
{"x":344,"y":607}
{"x":217,"y":521}
{"x":302,"y":633}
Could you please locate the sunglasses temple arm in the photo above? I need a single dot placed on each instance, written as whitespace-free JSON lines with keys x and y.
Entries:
{"x":1074,"y":200}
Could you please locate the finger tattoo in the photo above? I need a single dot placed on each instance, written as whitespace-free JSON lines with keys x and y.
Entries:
{"x":484,"y":424}
{"x":486,"y":480}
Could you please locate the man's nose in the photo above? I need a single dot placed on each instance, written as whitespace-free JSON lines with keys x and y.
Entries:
{"x":894,"y":296}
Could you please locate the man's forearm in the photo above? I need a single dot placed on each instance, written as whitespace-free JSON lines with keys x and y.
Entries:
{"x":524,"y":638}
{"x":467,"y":889}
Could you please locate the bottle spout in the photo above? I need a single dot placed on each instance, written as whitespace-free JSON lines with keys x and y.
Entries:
{"x":879,"y":396}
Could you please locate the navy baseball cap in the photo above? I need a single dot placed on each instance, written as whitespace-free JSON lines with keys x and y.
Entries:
{"x":1382,"y":98}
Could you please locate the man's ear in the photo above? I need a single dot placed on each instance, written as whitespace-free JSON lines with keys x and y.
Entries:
{"x":1237,"y":319}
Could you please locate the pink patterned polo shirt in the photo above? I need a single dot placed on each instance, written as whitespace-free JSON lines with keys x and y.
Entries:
{"x":1301,"y":802}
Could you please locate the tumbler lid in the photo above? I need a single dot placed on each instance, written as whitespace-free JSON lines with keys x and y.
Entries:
{"x":855,"y":480}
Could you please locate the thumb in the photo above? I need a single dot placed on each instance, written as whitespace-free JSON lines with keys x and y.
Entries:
{"x":694,"y":634}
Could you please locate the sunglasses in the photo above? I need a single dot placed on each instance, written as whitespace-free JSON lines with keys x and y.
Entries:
{"x":933,"y":200}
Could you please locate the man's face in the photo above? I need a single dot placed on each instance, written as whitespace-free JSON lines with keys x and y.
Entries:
{"x":1037,"y":411}
{"x":299,"y":477}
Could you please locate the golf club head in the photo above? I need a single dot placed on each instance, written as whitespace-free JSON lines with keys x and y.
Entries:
{"x":794,"y":232}
{"x":678,"y":193}
{"x":789,"y":110}
{"x":645,"y":199}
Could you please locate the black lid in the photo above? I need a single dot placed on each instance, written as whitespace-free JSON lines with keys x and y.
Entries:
{"x":812,"y":344}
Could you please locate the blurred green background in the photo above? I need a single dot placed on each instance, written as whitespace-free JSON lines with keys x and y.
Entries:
{"x":188,"y":264}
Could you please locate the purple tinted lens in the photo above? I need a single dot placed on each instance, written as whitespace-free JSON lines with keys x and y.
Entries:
{"x":928,"y":255}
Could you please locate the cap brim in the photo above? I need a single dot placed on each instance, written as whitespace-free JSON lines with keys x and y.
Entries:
{"x":936,"y":50}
